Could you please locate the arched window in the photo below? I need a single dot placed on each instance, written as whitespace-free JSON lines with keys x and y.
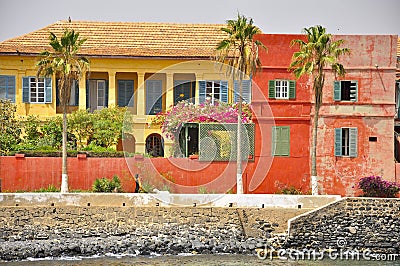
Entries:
{"x":154,"y":145}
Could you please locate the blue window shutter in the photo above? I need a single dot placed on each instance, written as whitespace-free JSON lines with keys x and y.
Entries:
{"x":7,"y":88}
{"x":338,"y":142}
{"x":271,"y":89}
{"x":106,"y":94}
{"x":202,"y":91}
{"x":48,"y":90}
{"x":337,"y":93}
{"x":153,"y":96}
{"x":246,"y":91}
{"x":353,"y":136}
{"x":25,"y":89}
{"x":224,"y":91}
{"x":76,"y":92}
{"x":121,"y":93}
{"x":354,"y":91}
{"x":125,"y":93}
{"x":57,"y":92}
{"x":292,"y":89}
{"x":87,"y":94}
{"x":182,"y":91}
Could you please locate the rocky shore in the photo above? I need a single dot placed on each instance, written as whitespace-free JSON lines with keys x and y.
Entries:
{"x":171,"y":240}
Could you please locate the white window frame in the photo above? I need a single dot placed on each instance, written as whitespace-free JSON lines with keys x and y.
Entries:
{"x":281,"y":89}
{"x":211,"y":86}
{"x":37,"y":90}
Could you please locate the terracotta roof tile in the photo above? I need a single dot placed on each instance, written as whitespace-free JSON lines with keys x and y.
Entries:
{"x":135,"y":39}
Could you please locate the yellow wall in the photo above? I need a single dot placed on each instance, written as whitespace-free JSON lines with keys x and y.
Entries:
{"x":113,"y":69}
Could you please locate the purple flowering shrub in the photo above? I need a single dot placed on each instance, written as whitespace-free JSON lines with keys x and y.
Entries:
{"x":374,"y":186}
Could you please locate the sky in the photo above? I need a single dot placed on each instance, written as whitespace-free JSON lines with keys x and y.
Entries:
{"x":20,"y":17}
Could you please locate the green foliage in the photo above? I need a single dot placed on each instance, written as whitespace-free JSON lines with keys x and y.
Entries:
{"x":93,"y":147}
{"x":291,"y":190}
{"x":203,"y":190}
{"x":51,"y":131}
{"x":107,"y":125}
{"x":50,"y":188}
{"x":146,"y":187}
{"x":10,"y":129}
{"x":107,"y":185}
{"x":80,"y":124}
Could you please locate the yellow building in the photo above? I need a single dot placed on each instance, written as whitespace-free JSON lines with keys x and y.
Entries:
{"x":155,"y":64}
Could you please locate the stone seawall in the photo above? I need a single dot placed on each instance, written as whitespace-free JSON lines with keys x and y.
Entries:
{"x":71,"y":230}
{"x":351,"y":223}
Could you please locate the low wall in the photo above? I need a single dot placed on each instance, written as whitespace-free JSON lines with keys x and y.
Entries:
{"x":351,"y":223}
{"x":164,"y":200}
{"x":86,"y":231}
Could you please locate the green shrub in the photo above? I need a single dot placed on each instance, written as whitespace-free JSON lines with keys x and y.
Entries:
{"x":80,"y":124}
{"x":50,"y":188}
{"x":10,"y":128}
{"x":107,"y":185}
{"x":107,"y":126}
{"x":291,"y":190}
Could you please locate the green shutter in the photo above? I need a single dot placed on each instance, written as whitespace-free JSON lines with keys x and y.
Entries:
{"x":202,"y":91}
{"x":48,"y":90}
{"x":354,"y":90}
{"x":25,"y":89}
{"x":292,"y":89}
{"x":224,"y":91}
{"x":281,"y":141}
{"x":338,"y":142}
{"x":337,"y":95}
{"x":353,"y":136}
{"x":7,"y":88}
{"x":271,"y":89}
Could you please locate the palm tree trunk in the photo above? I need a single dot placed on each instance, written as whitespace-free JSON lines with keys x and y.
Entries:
{"x":64,"y":172}
{"x":314,"y":177}
{"x":239,"y":175}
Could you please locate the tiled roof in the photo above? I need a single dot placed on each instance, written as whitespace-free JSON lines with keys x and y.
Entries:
{"x":131,"y":39}
{"x":398,"y":47}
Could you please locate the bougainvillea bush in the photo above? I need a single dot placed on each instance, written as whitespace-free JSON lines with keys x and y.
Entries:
{"x":187,"y":112}
{"x":374,"y":186}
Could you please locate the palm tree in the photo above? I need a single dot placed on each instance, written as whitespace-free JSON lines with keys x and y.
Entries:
{"x":314,"y":55}
{"x":240,"y":51}
{"x":68,"y":66}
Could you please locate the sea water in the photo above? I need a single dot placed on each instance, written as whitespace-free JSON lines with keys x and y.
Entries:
{"x":190,"y":259}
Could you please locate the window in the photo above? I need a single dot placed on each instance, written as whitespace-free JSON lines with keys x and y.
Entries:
{"x":184,"y":90}
{"x":154,"y":145}
{"x":281,"y":141}
{"x":36,"y":90}
{"x":7,"y":88}
{"x":96,"y":94}
{"x":282,"y":89}
{"x":213,"y":90}
{"x":125,"y":93}
{"x":346,"y":141}
{"x":153,"y":96}
{"x":345,"y":90}
{"x":246,"y":91}
{"x":74,"y":97}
